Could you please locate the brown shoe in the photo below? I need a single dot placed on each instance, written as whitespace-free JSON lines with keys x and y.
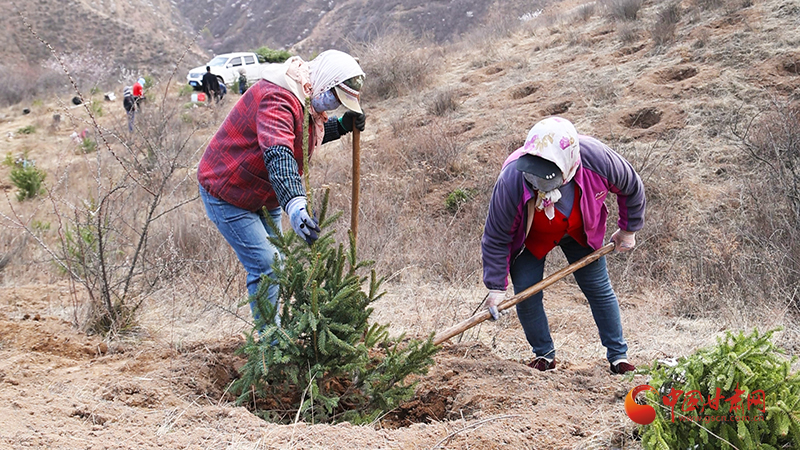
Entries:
{"x":542,"y":364}
{"x":622,"y":367}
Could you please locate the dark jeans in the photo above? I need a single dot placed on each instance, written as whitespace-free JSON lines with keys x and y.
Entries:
{"x":527,"y":270}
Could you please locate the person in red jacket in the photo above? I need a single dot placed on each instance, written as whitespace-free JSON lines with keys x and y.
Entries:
{"x":255,"y":159}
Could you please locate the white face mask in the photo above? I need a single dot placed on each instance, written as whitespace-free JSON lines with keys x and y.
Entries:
{"x":540,"y":184}
{"x":325,"y":101}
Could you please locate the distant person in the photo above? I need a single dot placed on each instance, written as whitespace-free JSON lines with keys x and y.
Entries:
{"x":129,"y":103}
{"x":255,"y":159}
{"x":551,"y":193}
{"x":223,"y":91}
{"x":211,"y":85}
{"x":242,"y":81}
{"x":138,"y":93}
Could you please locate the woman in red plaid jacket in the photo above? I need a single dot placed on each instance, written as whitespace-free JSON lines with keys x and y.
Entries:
{"x":255,"y":160}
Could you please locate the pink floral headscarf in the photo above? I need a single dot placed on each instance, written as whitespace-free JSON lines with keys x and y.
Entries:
{"x":556,"y":140}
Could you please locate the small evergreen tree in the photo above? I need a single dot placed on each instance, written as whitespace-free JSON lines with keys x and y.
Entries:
{"x":28,"y":178}
{"x":325,"y":362}
{"x":748,"y":368}
{"x":268,"y":55}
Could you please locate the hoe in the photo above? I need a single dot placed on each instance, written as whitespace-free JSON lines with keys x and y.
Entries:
{"x":509,"y":302}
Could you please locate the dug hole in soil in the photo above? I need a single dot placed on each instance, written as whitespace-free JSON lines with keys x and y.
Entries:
{"x":60,"y":388}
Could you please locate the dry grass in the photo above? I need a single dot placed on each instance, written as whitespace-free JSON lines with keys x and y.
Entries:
{"x":626,"y":10}
{"x":586,"y":11}
{"x":667,"y":18}
{"x":25,"y":82}
{"x":629,"y":33}
{"x":397,"y":64}
{"x":444,"y":102}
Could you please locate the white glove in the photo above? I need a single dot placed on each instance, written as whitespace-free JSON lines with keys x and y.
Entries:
{"x":302,"y":223}
{"x":492,"y":300}
{"x":623,"y":240}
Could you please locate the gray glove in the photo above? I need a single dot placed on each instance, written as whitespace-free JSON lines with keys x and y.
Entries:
{"x":623,"y":240}
{"x":492,"y":300}
{"x":302,"y":223}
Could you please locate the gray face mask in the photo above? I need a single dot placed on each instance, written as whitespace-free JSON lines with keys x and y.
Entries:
{"x":540,"y":184}
{"x":325,"y":101}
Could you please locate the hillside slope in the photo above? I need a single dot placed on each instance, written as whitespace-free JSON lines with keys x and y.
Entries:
{"x":695,"y":273}
{"x":138,"y":35}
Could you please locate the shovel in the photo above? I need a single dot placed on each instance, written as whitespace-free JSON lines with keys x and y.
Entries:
{"x":524,"y":295}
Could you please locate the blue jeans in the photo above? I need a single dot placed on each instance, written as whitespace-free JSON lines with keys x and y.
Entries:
{"x":247,"y":232}
{"x":527,"y":270}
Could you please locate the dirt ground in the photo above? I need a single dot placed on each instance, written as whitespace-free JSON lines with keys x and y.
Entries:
{"x":165,"y":386}
{"x":60,"y":388}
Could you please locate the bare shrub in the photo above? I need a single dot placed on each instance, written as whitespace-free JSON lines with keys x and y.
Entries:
{"x":396,"y":64}
{"x":443,"y":102}
{"x":110,"y":244}
{"x":628,"y":33}
{"x":624,"y":9}
{"x":435,"y":147}
{"x":773,"y":141}
{"x":600,"y":90}
{"x":106,"y":220}
{"x":663,"y":30}
{"x":24,"y":82}
{"x":586,"y":11}
{"x":709,"y":4}
{"x":738,"y":252}
{"x":497,"y":24}
{"x":576,"y":37}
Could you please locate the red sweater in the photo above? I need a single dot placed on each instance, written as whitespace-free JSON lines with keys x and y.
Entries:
{"x":545,"y":234}
{"x":232,"y":167}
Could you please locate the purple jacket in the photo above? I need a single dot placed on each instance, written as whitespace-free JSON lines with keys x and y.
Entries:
{"x":602,"y":171}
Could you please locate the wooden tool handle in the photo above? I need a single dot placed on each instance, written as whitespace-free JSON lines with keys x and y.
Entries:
{"x":356,"y":182}
{"x":524,"y":295}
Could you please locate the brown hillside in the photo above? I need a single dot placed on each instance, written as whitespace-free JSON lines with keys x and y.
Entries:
{"x":719,"y":250}
{"x":139,"y":36}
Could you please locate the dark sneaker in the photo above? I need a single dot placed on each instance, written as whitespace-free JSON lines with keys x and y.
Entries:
{"x":622,"y":367}
{"x":542,"y":364}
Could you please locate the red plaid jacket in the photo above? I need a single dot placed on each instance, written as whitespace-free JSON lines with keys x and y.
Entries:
{"x":232,"y":167}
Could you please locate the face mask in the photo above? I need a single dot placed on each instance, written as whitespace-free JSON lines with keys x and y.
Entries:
{"x":540,"y":184}
{"x":325,"y":101}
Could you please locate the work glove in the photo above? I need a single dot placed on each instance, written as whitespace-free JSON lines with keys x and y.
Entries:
{"x":351,"y":118}
{"x":623,"y":240}
{"x":492,"y":300}
{"x":302,"y":223}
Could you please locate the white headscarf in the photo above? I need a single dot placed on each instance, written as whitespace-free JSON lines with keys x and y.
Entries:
{"x":556,"y":140}
{"x":330,"y":68}
{"x":309,"y":79}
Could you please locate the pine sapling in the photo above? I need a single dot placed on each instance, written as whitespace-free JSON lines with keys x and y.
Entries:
{"x":740,"y":393}
{"x":325,"y":362}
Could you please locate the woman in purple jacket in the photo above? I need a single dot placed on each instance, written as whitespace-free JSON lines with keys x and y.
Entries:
{"x":551,"y":193}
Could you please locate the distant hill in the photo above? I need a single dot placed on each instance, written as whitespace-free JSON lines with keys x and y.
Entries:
{"x":150,"y":35}
{"x":130,"y":35}
{"x":318,"y":24}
